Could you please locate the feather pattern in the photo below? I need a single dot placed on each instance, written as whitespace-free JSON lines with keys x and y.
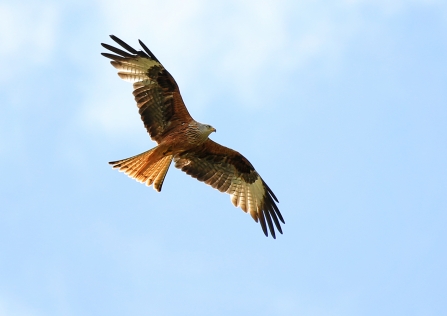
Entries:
{"x":186,"y":141}
{"x":143,"y":168}
{"x":228,"y":171}
{"x":158,"y":97}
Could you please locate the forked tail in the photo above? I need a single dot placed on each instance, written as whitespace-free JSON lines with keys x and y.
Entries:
{"x":148,"y":167}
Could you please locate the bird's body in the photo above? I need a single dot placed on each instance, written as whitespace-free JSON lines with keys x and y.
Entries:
{"x":184,"y":140}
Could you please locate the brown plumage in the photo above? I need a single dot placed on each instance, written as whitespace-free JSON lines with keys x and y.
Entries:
{"x":184,"y":140}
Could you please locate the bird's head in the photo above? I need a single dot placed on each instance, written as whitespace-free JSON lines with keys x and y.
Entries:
{"x":206,"y":129}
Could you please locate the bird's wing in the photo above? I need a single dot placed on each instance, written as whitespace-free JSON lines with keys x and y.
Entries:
{"x":158,"y":97}
{"x":228,"y":171}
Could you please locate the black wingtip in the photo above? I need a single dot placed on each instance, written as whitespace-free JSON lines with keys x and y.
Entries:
{"x":272,"y":213}
{"x":271,"y":192}
{"x":262,"y":222}
{"x":117,"y":51}
{"x":124,"y":45}
{"x":145,"y":54}
{"x":148,"y":51}
{"x":276,"y":209}
{"x":270,"y":224}
{"x":113,"y":57}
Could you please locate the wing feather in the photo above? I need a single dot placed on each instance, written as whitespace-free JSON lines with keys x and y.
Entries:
{"x":214,"y":179}
{"x":262,"y":221}
{"x":225,"y":185}
{"x":117,"y":50}
{"x":241,"y":199}
{"x":157,"y":94}
{"x":228,"y":171}
{"x":124,"y":45}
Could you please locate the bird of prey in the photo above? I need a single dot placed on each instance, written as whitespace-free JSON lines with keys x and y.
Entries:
{"x":185,"y":141}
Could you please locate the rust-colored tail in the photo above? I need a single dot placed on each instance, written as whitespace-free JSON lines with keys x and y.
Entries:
{"x":149,"y":167}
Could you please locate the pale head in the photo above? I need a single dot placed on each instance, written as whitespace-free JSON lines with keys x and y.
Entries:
{"x":205,"y":129}
{"x":197,"y":132}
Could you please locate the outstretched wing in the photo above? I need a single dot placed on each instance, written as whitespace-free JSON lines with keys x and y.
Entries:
{"x":228,"y":171}
{"x":158,"y":97}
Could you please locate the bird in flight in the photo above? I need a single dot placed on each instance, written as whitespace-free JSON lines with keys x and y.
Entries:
{"x":185,"y":141}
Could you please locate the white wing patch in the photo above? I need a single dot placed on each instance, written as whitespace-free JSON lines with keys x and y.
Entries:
{"x":249,"y":197}
{"x":134,"y":69}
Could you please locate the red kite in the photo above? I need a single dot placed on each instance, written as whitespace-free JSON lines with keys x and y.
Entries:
{"x":184,"y":140}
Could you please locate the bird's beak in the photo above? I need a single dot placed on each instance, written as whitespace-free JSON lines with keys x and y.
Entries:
{"x":214,"y":130}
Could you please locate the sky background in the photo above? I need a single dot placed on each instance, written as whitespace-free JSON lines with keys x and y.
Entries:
{"x":340,"y":105}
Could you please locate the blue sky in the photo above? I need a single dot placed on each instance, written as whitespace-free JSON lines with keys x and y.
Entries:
{"x":341,"y":106}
